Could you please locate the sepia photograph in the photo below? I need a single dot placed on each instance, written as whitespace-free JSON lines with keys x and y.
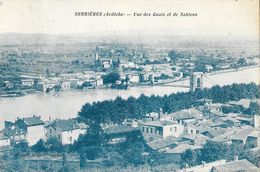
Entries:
{"x":129,"y":86}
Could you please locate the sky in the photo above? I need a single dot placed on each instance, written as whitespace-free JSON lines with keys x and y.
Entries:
{"x":215,"y":17}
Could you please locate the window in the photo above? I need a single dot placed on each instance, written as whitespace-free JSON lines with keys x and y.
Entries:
{"x":58,"y":137}
{"x":191,"y":131}
{"x":147,"y":130}
{"x":175,"y":129}
{"x":160,"y":132}
{"x":198,"y":82}
{"x":197,"y":131}
{"x":50,"y":130}
{"x":143,"y":129}
{"x":71,"y":138}
{"x":151,"y":130}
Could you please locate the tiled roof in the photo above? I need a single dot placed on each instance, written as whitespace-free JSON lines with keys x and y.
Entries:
{"x":242,"y":134}
{"x":65,"y":124}
{"x":217,"y":112}
{"x":183,"y":147}
{"x":242,"y":102}
{"x":6,"y":148}
{"x":216,"y":132}
{"x":158,"y":123}
{"x":118,"y":129}
{"x":3,"y":136}
{"x":254,"y":133}
{"x":162,"y":143}
{"x":225,"y":136}
{"x":187,"y":113}
{"x":195,"y":137}
{"x":31,"y":121}
{"x":237,"y":166}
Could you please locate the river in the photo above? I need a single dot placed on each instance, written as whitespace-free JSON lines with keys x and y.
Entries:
{"x":67,"y":104}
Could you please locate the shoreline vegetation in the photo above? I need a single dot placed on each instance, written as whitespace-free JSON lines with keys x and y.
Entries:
{"x":30,"y":91}
{"x":92,"y":151}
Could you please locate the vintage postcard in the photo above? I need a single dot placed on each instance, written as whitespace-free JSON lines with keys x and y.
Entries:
{"x":129,"y":85}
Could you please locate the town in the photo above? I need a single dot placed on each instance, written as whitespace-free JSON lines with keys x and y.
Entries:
{"x":111,"y":65}
{"x":203,"y":128}
{"x":179,"y":139}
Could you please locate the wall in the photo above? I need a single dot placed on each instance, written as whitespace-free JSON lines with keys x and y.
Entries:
{"x":173,"y":130}
{"x":4,"y":142}
{"x":52,"y":132}
{"x":68,"y":137}
{"x":35,"y":133}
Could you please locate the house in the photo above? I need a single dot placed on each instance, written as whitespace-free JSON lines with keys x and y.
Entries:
{"x":214,"y":113}
{"x":132,"y":123}
{"x":246,"y":120}
{"x":225,"y":137}
{"x":185,"y":116}
{"x":242,"y":135}
{"x":234,"y":134}
{"x":230,"y":120}
{"x":223,"y":166}
{"x":44,"y":86}
{"x":117,"y":133}
{"x":236,"y":166}
{"x":211,"y":133}
{"x":196,"y":128}
{"x":4,"y":139}
{"x":127,"y":64}
{"x":99,"y":81}
{"x":179,"y":149}
{"x":161,"y":129}
{"x":30,"y":129}
{"x":254,"y":153}
{"x":209,"y":68}
{"x":242,"y":102}
{"x":27,"y":82}
{"x":8,"y":85}
{"x":65,"y":85}
{"x":195,"y":139}
{"x":159,"y":144}
{"x":204,"y":167}
{"x":222,"y":66}
{"x":133,"y":78}
{"x":253,"y":139}
{"x":257,"y":122}
{"x":65,"y":130}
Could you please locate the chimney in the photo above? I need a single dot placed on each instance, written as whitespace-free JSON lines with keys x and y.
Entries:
{"x":235,"y":158}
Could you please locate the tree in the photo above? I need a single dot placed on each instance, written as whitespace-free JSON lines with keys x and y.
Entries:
{"x":21,"y":147}
{"x":241,"y":61}
{"x":174,"y":55}
{"x":39,"y":146}
{"x":82,"y":162}
{"x":253,"y":108}
{"x":65,"y":167}
{"x":54,"y":145}
{"x":134,"y":153}
{"x":111,"y":78}
{"x":190,"y":157}
{"x":214,"y":151}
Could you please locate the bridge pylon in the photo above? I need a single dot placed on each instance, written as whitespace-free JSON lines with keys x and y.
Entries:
{"x":196,"y":81}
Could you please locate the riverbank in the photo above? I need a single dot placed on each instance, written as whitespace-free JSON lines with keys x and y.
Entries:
{"x":67,"y":104}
